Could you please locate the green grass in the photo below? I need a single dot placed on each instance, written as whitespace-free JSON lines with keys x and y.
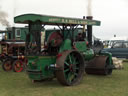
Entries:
{"x":18,"y":84}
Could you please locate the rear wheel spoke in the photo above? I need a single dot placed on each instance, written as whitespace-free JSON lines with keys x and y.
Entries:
{"x":66,"y":63}
{"x":76,"y":68}
{"x":70,"y":77}
{"x":76,"y":74}
{"x":66,"y":70}
{"x":74,"y":61}
{"x":70,"y":59}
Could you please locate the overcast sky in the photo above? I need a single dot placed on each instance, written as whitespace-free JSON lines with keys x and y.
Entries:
{"x":112,"y":13}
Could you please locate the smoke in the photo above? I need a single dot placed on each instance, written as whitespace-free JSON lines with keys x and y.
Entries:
{"x":14,"y":9}
{"x":89,"y":8}
{"x":3,"y":18}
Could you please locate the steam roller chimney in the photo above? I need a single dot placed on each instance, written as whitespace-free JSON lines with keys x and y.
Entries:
{"x":89,"y":31}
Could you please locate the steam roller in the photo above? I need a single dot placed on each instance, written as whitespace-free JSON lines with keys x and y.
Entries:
{"x":67,"y":51}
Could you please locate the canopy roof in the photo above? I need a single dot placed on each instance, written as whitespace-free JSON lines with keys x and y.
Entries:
{"x":53,"y":20}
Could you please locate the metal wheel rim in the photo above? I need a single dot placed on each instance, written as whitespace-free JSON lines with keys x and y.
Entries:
{"x":18,"y":66}
{"x":7,"y":65}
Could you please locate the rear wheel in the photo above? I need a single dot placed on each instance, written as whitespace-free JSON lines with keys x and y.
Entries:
{"x":7,"y":65}
{"x":18,"y":66}
{"x":71,"y":65}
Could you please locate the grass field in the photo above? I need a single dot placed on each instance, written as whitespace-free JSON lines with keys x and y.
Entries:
{"x":18,"y":84}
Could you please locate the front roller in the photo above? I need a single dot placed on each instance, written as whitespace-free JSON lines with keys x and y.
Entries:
{"x":100,"y":65}
{"x":71,"y":64}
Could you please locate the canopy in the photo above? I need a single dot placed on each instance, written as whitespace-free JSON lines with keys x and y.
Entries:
{"x":53,"y":20}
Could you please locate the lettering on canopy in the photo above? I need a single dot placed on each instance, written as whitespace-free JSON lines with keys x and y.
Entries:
{"x":71,"y":21}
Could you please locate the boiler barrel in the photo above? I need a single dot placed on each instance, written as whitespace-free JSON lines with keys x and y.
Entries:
{"x":89,"y":54}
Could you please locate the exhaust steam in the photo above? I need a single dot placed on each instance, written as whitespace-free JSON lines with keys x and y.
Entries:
{"x":3,"y":18}
{"x":89,"y":8}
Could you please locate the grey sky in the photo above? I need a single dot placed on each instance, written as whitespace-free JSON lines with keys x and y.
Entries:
{"x":112,"y":13}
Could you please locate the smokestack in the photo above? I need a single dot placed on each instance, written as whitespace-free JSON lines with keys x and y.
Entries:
{"x":89,"y":31}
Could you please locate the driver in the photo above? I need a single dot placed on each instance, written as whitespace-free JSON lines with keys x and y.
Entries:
{"x":79,"y":37}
